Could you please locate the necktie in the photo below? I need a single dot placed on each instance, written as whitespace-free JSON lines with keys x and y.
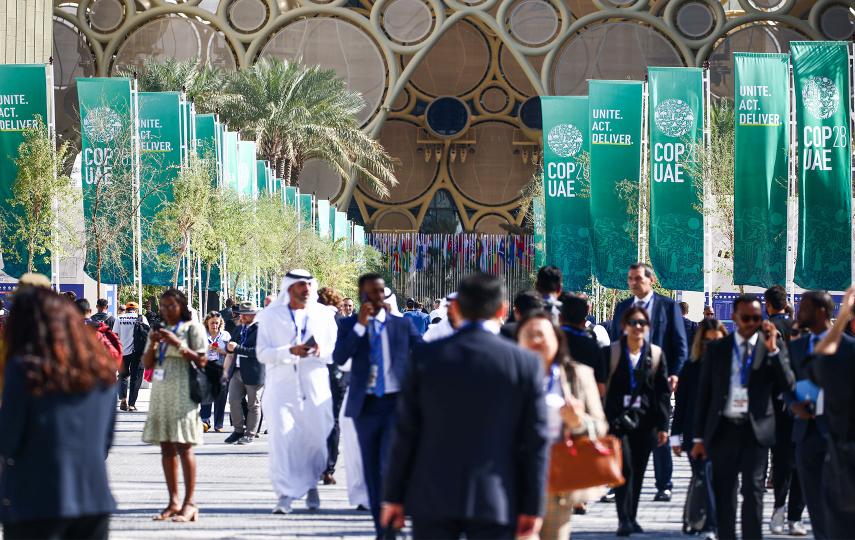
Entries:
{"x":814,"y":340}
{"x":377,"y":357}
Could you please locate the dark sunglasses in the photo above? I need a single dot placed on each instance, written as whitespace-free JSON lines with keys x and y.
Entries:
{"x":751,"y":318}
{"x":637,"y":322}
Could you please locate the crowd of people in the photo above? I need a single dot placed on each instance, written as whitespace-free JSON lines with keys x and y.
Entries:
{"x":454,"y":418}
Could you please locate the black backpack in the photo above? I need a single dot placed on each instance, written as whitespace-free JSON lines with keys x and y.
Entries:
{"x":140,"y":336}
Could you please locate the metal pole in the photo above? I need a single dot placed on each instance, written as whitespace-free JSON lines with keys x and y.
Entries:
{"x":643,"y":177}
{"x":851,"y":164}
{"x":50,"y":122}
{"x":136,"y":192}
{"x":708,"y":247}
{"x":792,"y":209}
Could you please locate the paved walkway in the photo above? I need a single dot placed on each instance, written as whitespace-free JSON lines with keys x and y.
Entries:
{"x":236,"y":498}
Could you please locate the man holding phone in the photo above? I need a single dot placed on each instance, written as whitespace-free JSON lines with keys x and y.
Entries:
{"x":296,"y":338}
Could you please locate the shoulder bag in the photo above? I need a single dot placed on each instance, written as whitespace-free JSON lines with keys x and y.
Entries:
{"x":205,"y":382}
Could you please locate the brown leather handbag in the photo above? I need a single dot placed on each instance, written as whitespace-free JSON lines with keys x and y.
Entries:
{"x":585,"y":462}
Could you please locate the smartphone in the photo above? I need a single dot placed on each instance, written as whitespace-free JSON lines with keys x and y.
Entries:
{"x":311,"y":343}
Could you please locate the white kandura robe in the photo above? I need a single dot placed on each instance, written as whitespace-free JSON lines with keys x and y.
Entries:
{"x":357,"y":491}
{"x":297,"y":401}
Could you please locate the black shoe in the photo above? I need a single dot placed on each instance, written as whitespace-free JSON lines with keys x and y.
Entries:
{"x":636,"y":528}
{"x":234,"y":437}
{"x":624,"y":529}
{"x":608,"y":497}
{"x":663,"y":495}
{"x":363,"y":508}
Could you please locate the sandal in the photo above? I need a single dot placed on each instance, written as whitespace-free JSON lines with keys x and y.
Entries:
{"x":166,"y":513}
{"x":184,"y":516}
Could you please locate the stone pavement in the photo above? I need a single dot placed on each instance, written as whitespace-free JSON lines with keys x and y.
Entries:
{"x":235,"y":496}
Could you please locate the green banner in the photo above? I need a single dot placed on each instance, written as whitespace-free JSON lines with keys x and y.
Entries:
{"x":615,"y":114}
{"x":676,"y":117}
{"x":108,"y":160}
{"x":821,"y":87}
{"x":291,"y":193}
{"x":230,"y":160}
{"x":160,"y":162}
{"x":23,"y":97}
{"x":307,"y":215}
{"x":206,"y":136}
{"x":247,"y":172}
{"x":761,"y":168}
{"x":359,"y":235}
{"x":322,"y":226}
{"x":538,"y":214}
{"x":340,"y":230}
{"x":565,"y":188}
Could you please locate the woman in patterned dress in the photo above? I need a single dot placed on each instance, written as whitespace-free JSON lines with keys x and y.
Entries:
{"x":173,"y":417}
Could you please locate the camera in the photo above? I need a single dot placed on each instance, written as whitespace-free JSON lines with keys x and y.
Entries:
{"x":157,"y":326}
{"x":626,"y":422}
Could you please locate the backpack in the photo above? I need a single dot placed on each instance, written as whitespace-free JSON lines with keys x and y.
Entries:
{"x":111,"y":341}
{"x":140,"y":336}
{"x":614,"y":359}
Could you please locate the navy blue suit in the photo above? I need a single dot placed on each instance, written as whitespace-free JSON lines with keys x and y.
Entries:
{"x":668,"y":331}
{"x":53,"y":450}
{"x":470,"y":445}
{"x":374,"y":416}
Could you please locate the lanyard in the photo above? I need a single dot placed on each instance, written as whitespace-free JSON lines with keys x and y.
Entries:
{"x":163,"y":346}
{"x":575,"y":331}
{"x":215,"y":339}
{"x":553,"y":376}
{"x":378,"y":327}
{"x":633,"y":383}
{"x":299,"y":335}
{"x":745,"y":363}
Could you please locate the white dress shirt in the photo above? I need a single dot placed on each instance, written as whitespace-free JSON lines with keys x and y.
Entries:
{"x":390,"y":382}
{"x":735,"y":367}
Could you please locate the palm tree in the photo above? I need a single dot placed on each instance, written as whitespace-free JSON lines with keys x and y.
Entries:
{"x":203,"y":84}
{"x":298,"y":113}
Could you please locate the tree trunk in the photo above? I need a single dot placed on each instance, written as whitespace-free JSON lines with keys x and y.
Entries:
{"x":288,"y":169}
{"x":30,"y":256}
{"x":181,"y":253}
{"x":207,"y":285}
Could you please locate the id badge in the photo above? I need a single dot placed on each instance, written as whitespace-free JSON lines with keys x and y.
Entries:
{"x":740,"y":400}
{"x":158,"y":374}
{"x":635,"y":405}
{"x":372,"y":377}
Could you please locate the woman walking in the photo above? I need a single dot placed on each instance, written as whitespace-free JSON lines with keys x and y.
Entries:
{"x":173,"y":417}
{"x":56,"y":421}
{"x":638,"y":408}
{"x":573,"y":407}
{"x":218,"y":338}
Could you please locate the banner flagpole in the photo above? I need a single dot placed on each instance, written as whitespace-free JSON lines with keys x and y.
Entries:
{"x":137,"y":234}
{"x":708,"y":247}
{"x":643,"y":192}
{"x":792,"y":208}
{"x":851,"y":48}
{"x":50,"y":122}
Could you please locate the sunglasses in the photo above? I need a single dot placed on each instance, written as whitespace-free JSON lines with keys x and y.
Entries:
{"x":637,"y":322}
{"x":751,"y":318}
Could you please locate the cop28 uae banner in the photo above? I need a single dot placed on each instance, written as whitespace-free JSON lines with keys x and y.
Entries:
{"x":615,"y":112}
{"x":23,"y":97}
{"x":761,"y":168}
{"x":160,"y":161}
{"x":108,"y":166}
{"x":676,"y":113}
{"x":822,"y":87}
{"x":565,"y":188}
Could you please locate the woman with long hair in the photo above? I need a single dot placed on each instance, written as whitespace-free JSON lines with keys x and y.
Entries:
{"x":218,"y":338}
{"x":573,"y":407}
{"x":173,"y":417}
{"x":682,"y":427}
{"x":56,"y":421}
{"x":638,"y":407}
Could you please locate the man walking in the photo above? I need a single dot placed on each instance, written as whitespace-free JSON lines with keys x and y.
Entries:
{"x":734,"y":420}
{"x":470,"y":446}
{"x":420,"y":319}
{"x":689,"y":325}
{"x":102,"y":316}
{"x":668,"y":333}
{"x":296,"y":338}
{"x":247,"y":377}
{"x":379,"y":342}
{"x":133,"y":331}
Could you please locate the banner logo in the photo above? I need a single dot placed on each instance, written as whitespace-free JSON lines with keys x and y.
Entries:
{"x":674,"y":117}
{"x":565,"y":140}
{"x":102,"y":124}
{"x":821,"y":97}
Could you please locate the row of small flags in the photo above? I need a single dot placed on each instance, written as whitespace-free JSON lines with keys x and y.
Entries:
{"x":408,"y":252}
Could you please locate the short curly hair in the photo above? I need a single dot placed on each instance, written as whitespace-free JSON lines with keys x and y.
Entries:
{"x":329,"y":297}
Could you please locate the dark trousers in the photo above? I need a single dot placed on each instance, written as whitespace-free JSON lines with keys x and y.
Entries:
{"x":338,"y":388}
{"x":219,"y":407}
{"x":735,"y":452}
{"x":374,"y":427}
{"x":810,"y":457}
{"x":784,"y":476}
{"x":132,"y":369}
{"x":839,"y":522}
{"x":429,"y":529}
{"x":84,"y":528}
{"x":663,"y":467}
{"x":636,"y":447}
{"x":704,"y":467}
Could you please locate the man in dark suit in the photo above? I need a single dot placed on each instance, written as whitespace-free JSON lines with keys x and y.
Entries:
{"x":809,"y":430}
{"x":689,"y":325}
{"x":734,"y":420}
{"x":453,"y":479}
{"x":524,"y":303}
{"x":666,"y":331}
{"x":581,"y":342}
{"x":246,"y":380}
{"x":380,"y":344}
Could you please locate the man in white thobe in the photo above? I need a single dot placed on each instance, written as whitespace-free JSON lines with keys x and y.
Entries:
{"x":296,"y":338}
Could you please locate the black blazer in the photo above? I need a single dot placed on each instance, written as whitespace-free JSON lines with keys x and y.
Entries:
{"x":684,"y":407}
{"x":668,"y":331}
{"x":585,"y":350}
{"x":53,"y":450}
{"x":835,"y":374}
{"x":470,"y":441}
{"x":251,"y":370}
{"x":770,"y":376}
{"x":800,"y":363}
{"x":655,"y":392}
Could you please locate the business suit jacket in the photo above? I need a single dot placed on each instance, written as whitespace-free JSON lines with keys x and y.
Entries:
{"x":653,"y":390}
{"x":53,"y":450}
{"x":470,"y":441}
{"x":835,"y":374}
{"x":668,"y":331}
{"x":251,"y":370}
{"x":770,"y":376}
{"x":685,"y":399}
{"x":402,"y":337}
{"x":800,"y":363}
{"x":690,"y":327}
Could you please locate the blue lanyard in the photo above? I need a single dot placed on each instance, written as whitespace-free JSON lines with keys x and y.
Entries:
{"x":298,"y":333}
{"x":161,"y":353}
{"x":378,"y":327}
{"x":553,"y":376}
{"x":575,"y":331}
{"x":633,"y":383}
{"x":745,"y":364}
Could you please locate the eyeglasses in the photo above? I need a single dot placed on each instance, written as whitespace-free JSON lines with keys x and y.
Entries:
{"x":637,"y":322}
{"x":214,"y":315}
{"x":750,"y":318}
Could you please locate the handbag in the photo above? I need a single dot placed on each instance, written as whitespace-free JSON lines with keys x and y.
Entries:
{"x":205,"y":382}
{"x":584,"y":461}
{"x":697,"y":502}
